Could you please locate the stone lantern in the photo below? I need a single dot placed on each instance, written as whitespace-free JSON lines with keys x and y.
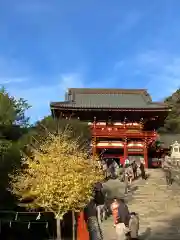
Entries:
{"x":175,"y":152}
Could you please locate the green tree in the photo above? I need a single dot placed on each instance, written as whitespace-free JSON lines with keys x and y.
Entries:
{"x":41,"y":129}
{"x":172,"y":122}
{"x":12,"y":111}
{"x":13,"y":125}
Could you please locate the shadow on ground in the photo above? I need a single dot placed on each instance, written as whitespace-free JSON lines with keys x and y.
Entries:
{"x":170,"y":232}
{"x":115,"y":188}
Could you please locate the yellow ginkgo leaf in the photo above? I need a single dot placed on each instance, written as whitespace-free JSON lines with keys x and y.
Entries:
{"x":59,"y":177}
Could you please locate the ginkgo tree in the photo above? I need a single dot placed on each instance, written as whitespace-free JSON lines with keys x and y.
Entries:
{"x":58,"y":177}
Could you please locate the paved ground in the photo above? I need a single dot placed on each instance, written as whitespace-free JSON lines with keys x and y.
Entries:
{"x":158,"y":207}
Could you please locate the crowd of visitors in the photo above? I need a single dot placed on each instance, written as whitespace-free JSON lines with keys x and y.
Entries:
{"x":131,"y":170}
{"x":126,"y":224}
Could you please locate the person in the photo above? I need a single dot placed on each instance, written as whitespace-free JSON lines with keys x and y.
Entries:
{"x":94,"y":229}
{"x":143,"y":174}
{"x":126,"y":162}
{"x":133,"y":226}
{"x":104,"y":167}
{"x":122,"y":222}
{"x":120,"y":229}
{"x":134,"y":167}
{"x":114,"y":209}
{"x":130,"y":174}
{"x":116,"y":167}
{"x":123,"y":212}
{"x":167,"y":170}
{"x":99,"y":198}
{"x":126,"y":181}
{"x":112,"y":169}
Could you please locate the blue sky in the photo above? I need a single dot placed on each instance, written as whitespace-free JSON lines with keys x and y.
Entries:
{"x":47,"y":46}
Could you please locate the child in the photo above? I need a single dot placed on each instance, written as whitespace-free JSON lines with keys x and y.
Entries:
{"x":134,"y":226}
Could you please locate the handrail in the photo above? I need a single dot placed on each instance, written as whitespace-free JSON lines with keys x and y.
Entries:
{"x":125,"y":133}
{"x":116,"y":125}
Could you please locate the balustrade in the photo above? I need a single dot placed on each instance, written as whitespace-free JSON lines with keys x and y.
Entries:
{"x":117,"y":132}
{"x":121,"y":125}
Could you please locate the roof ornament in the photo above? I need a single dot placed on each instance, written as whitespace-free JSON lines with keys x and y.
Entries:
{"x":29,"y":225}
{"x":16,"y":217}
{"x":109,"y":120}
{"x":94,"y":122}
{"x":124,"y":122}
{"x":38,"y":216}
{"x":47,"y":225}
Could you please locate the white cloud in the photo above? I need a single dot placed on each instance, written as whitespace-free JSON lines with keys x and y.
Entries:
{"x":162,"y":71}
{"x":155,"y":70}
{"x":40,"y":97}
{"x":5,"y":81}
{"x":71,"y":80}
{"x":12,"y":71}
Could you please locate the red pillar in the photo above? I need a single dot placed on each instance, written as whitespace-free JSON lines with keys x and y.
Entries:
{"x":94,"y":148}
{"x":145,"y":156}
{"x":94,"y":139}
{"x":125,"y":150}
{"x":82,"y":232}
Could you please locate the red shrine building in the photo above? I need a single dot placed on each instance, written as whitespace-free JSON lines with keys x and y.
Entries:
{"x":123,"y":122}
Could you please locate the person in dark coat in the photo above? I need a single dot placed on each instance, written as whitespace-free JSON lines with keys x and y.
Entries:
{"x":134,"y":167}
{"x":121,"y":218}
{"x":143,"y":174}
{"x":99,"y":199}
{"x":123,"y":213}
{"x":95,"y":231}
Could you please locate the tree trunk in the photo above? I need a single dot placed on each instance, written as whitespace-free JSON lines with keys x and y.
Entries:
{"x":73,"y":226}
{"x":58,"y":229}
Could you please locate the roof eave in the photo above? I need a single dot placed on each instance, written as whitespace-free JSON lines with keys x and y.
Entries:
{"x":108,"y":108}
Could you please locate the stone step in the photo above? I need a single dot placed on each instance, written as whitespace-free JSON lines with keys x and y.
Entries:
{"x":143,"y":203}
{"x":156,"y":205}
{"x":163,"y":237}
{"x":157,"y":197}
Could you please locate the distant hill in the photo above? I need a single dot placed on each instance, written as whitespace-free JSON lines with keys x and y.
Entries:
{"x":172,"y":122}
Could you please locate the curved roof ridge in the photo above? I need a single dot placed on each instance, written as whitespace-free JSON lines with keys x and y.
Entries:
{"x":107,"y":90}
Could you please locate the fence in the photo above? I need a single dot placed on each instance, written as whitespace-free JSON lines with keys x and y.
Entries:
{"x":32,"y":225}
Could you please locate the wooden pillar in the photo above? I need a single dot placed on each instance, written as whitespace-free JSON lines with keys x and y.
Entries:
{"x":94,"y":139}
{"x":94,"y":148}
{"x":53,"y":114}
{"x":145,"y":154}
{"x":120,"y":160}
{"x":82,"y":231}
{"x":125,"y":149}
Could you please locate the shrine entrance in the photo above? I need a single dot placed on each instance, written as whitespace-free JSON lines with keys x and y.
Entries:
{"x":117,"y":154}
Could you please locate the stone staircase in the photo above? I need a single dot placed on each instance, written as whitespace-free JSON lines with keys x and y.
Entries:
{"x":158,"y":207}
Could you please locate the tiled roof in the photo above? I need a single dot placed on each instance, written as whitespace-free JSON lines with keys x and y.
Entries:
{"x":108,"y":98}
